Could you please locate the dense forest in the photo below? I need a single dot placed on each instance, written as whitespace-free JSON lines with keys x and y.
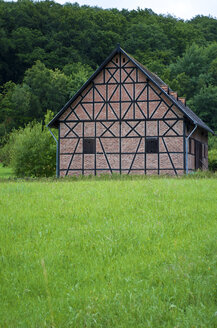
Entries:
{"x":48,"y":51}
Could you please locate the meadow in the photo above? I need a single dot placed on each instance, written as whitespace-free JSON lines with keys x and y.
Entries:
{"x":108,"y":253}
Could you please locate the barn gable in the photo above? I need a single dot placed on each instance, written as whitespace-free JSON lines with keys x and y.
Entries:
{"x":122,"y":120}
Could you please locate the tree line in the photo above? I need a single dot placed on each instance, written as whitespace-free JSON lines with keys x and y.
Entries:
{"x":49,"y":50}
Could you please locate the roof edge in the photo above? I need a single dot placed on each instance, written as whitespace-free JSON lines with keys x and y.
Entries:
{"x":166,"y":94}
{"x":54,"y":122}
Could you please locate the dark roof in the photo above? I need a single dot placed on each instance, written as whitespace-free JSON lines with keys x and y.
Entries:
{"x":152,"y":77}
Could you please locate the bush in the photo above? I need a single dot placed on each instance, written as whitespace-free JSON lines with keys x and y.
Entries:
{"x":30,"y":151}
{"x":6,"y":150}
{"x":213,"y":160}
{"x":212,"y":142}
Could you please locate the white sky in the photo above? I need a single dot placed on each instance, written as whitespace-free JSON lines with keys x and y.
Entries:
{"x":185,"y":9}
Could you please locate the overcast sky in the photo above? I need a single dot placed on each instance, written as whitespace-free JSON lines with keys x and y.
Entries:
{"x":185,"y":9}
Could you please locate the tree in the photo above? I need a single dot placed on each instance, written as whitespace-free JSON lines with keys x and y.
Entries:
{"x":77,"y":74}
{"x":193,"y":62}
{"x":78,"y":38}
{"x":7,"y":115}
{"x":205,"y":105}
{"x":49,"y":89}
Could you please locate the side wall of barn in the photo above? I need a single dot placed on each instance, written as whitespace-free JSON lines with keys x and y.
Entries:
{"x":197,"y":149}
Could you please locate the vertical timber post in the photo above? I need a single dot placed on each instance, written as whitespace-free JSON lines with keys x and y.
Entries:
{"x":119,"y":107}
{"x":158,"y":154}
{"x":186,"y":147}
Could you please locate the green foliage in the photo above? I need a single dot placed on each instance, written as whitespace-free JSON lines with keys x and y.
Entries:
{"x":6,"y":151}
{"x":131,"y":253}
{"x":42,"y":88}
{"x":206,"y":26}
{"x":63,"y":34}
{"x":77,"y":74}
{"x":204,"y":105}
{"x":146,"y":38}
{"x":33,"y":152}
{"x":213,"y":69}
{"x":193,"y":62}
{"x":49,"y":50}
{"x":7,"y":115}
{"x":212,"y":142}
{"x":185,"y":72}
{"x":6,"y":172}
{"x":194,"y":76}
{"x":213,"y":160}
{"x":30,"y":151}
{"x":49,"y":89}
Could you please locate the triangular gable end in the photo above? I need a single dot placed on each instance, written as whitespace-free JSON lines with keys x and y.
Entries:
{"x":113,"y":77}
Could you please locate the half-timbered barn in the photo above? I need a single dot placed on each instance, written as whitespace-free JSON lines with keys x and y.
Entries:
{"x":126,"y":120}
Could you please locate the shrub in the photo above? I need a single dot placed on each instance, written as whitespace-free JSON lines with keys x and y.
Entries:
{"x":30,"y":151}
{"x":212,"y":142}
{"x":213,"y":160}
{"x":6,"y":150}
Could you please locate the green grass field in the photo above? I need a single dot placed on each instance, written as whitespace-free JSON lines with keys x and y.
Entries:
{"x":96,"y":253}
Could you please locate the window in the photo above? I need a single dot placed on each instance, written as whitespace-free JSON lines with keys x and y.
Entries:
{"x":123,"y":59}
{"x":151,"y":145}
{"x":89,"y":146}
{"x":116,"y":60}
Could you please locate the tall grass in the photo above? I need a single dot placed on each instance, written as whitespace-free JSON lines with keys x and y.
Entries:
{"x":116,"y":253}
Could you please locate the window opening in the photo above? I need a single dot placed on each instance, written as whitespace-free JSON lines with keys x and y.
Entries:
{"x":152,"y":145}
{"x":89,"y":146}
